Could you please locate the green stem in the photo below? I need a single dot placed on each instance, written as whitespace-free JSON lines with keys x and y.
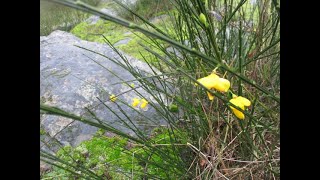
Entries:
{"x":240,"y":58}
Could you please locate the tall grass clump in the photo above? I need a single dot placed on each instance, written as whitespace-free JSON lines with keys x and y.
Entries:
{"x":221,"y":88}
{"x":57,"y":17}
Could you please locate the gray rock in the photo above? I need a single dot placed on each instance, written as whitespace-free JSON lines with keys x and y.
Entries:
{"x":127,"y":33}
{"x":70,"y":80}
{"x":94,"y":19}
{"x":174,"y":51}
{"x":253,"y":2}
{"x":109,"y":10}
{"x":123,"y":41}
{"x":44,"y":167}
{"x":159,"y":19}
{"x":216,"y":15}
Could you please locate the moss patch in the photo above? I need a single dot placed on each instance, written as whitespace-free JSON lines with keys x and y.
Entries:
{"x":134,"y":49}
{"x":94,"y":32}
{"x":114,"y":33}
{"x":115,"y":157}
{"x":105,"y":156}
{"x":42,"y":131}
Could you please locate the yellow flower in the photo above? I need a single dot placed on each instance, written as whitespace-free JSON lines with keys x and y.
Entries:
{"x":213,"y":81}
{"x":135,"y":102}
{"x":208,"y":81}
{"x":132,"y":85}
{"x":241,"y":102}
{"x":221,"y":85}
{"x":210,"y":96}
{"x":113,"y":98}
{"x":144,"y":103}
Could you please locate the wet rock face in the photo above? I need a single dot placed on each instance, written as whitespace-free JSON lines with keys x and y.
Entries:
{"x":72,"y":81}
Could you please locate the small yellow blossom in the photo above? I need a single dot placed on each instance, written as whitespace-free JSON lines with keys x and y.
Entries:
{"x":208,"y":81}
{"x":221,"y":85}
{"x":135,"y":102}
{"x":213,"y":81}
{"x":132,"y":85}
{"x":144,"y":103}
{"x":210,"y":96}
{"x":113,"y":98}
{"x":241,"y":102}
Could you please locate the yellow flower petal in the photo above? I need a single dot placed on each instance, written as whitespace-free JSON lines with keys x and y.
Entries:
{"x":213,"y":75}
{"x":244,"y":100}
{"x":113,"y":98}
{"x":239,"y":104}
{"x":135,"y":102}
{"x":211,"y":97}
{"x":236,"y":103}
{"x":238,"y":113}
{"x":144,"y":103}
{"x":221,"y":84}
{"x":208,"y":81}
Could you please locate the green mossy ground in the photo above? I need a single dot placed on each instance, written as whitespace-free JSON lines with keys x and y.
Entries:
{"x":114,"y":33}
{"x":105,"y":155}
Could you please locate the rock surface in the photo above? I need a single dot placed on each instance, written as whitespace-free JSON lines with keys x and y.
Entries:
{"x":44,"y":167}
{"x":70,"y":80}
{"x":109,"y":10}
{"x":94,"y":19}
